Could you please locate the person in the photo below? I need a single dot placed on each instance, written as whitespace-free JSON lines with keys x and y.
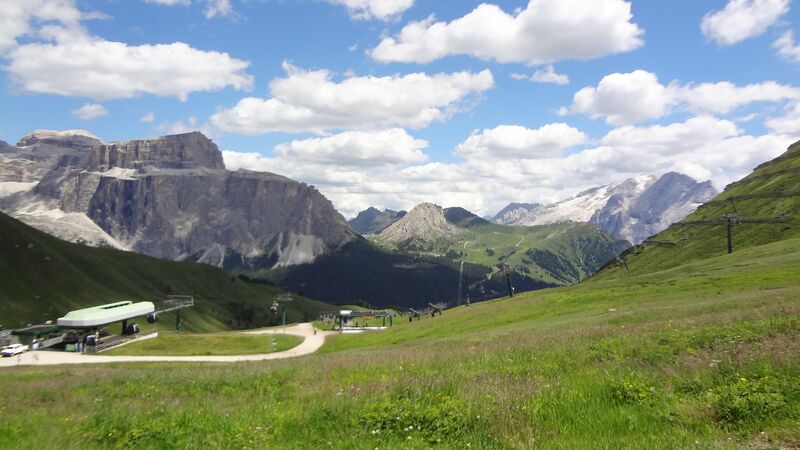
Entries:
{"x":315,"y":331}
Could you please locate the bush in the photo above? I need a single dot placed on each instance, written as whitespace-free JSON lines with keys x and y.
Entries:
{"x":634,"y":391}
{"x":747,"y":399}
{"x":434,"y":417}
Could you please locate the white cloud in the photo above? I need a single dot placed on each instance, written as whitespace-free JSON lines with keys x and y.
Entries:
{"x":624,"y":98}
{"x":16,"y":17}
{"x":499,"y":168}
{"x":742,"y":19}
{"x":787,"y":47}
{"x":62,"y":58}
{"x":514,"y":141}
{"x":76,"y":64}
{"x":169,"y":2}
{"x":544,"y":31}
{"x":789,"y":123}
{"x":90,"y":111}
{"x":545,"y":75}
{"x":311,"y":101}
{"x":179,"y":126}
{"x":357,"y":148}
{"x":375,"y":9}
{"x":219,"y":8}
{"x":148,"y":118}
{"x":628,"y":98}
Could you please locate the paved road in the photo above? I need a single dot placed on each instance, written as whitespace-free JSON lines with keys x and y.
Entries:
{"x":310,"y":344}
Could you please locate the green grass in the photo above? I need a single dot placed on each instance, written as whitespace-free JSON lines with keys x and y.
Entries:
{"x":42,"y":278}
{"x":190,"y":344}
{"x":550,"y":369}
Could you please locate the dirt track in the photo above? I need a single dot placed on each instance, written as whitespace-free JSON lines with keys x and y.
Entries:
{"x":310,"y":344}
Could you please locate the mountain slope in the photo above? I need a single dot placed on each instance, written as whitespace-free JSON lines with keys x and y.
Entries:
{"x":42,"y":278}
{"x":372,"y":221}
{"x":771,"y":191}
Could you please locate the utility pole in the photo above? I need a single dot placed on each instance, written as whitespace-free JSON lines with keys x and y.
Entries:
{"x":505,"y":268}
{"x":729,"y":220}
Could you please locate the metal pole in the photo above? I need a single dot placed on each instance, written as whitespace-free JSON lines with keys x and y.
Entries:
{"x":178,"y":320}
{"x":730,"y":235}
{"x":508,"y":281}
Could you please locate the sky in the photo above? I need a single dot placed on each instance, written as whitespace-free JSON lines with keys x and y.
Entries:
{"x":389,"y":103}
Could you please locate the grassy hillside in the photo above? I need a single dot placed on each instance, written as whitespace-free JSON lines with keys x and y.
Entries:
{"x":557,"y":254}
{"x":704,"y":355}
{"x":772,"y":190}
{"x":42,"y":278}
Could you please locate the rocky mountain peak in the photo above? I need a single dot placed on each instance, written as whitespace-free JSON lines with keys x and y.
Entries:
{"x":514,"y":212}
{"x":177,"y":151}
{"x":75,"y":139}
{"x":425,"y":222}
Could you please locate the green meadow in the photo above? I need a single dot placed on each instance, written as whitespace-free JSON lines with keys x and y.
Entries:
{"x":202,"y":344}
{"x":702,"y":355}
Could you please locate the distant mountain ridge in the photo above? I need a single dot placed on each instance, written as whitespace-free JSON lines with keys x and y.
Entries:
{"x":372,"y":221}
{"x":632,"y":210}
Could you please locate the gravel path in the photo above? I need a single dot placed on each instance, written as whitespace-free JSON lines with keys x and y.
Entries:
{"x":310,"y":344}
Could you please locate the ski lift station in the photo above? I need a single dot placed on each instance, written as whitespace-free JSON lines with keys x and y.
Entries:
{"x":103,"y":315}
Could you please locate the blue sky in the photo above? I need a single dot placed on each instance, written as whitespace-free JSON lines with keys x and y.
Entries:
{"x":709,"y":88}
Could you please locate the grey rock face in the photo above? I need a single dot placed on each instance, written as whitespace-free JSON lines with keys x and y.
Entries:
{"x":171,"y":197}
{"x":373,"y":221}
{"x":513,"y":212}
{"x":670,"y":199}
{"x":632,"y":210}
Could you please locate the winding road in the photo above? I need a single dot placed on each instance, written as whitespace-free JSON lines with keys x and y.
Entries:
{"x":310,"y":344}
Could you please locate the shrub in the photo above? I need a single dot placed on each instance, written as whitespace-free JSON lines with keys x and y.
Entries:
{"x":434,"y":417}
{"x":634,"y":391}
{"x":747,"y":399}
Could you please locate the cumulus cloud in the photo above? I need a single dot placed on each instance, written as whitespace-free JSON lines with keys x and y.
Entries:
{"x":513,"y":163}
{"x":179,"y":126}
{"x":358,"y":148}
{"x":742,"y":19}
{"x":219,"y":8}
{"x":90,"y":111}
{"x":18,"y":17}
{"x":514,"y":141}
{"x":311,"y":101}
{"x":66,"y":60}
{"x":375,"y":9}
{"x":789,"y":123}
{"x":169,"y":2}
{"x":628,"y":98}
{"x":546,"y":75}
{"x":544,"y":31}
{"x":148,"y":118}
{"x":787,"y":47}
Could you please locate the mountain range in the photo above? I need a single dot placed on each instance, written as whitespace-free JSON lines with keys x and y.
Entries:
{"x":632,"y":210}
{"x":169,"y":197}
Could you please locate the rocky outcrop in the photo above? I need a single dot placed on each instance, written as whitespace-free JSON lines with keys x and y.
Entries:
{"x":514,"y":212}
{"x":426,"y":222}
{"x":373,"y":221}
{"x":462,"y":218}
{"x":171,"y":197}
{"x":632,"y":210}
